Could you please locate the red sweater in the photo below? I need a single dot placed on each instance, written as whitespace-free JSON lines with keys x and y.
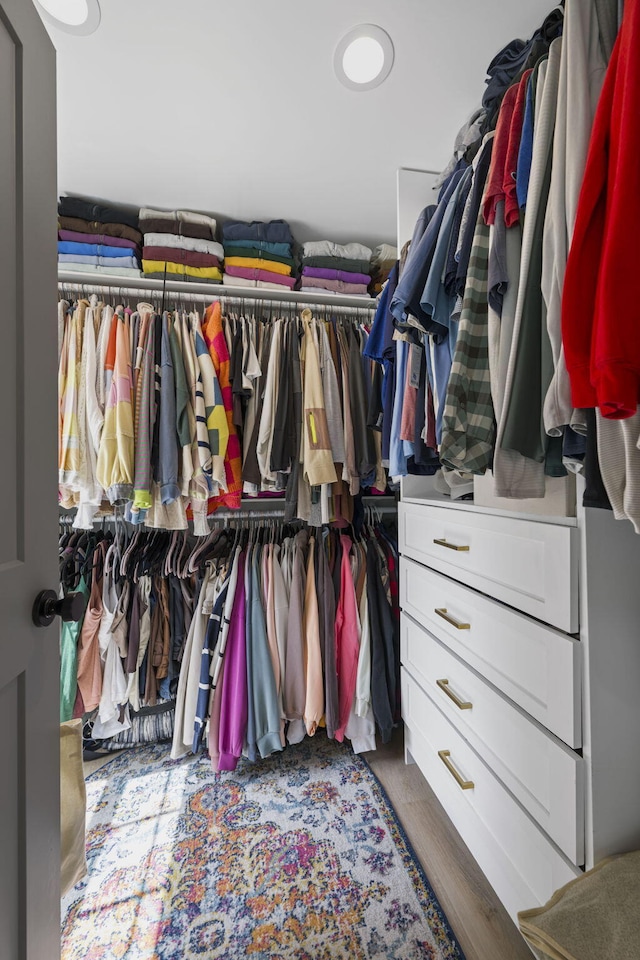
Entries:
{"x":600,"y":304}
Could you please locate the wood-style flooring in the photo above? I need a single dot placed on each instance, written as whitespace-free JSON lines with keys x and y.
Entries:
{"x":483,"y":927}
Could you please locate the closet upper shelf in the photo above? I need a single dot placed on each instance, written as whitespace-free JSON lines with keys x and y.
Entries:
{"x":215,"y":291}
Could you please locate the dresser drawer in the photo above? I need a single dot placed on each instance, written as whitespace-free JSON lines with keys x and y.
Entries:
{"x":541,"y":772}
{"x":536,"y":666}
{"x":531,"y":566}
{"x":522,"y":865}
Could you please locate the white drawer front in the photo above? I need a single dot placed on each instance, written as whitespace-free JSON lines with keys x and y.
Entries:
{"x":521,"y":864}
{"x":542,"y":773}
{"x":531,"y":566}
{"x":536,"y":666}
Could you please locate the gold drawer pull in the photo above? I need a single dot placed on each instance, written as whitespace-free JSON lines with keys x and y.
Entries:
{"x":463,"y":784}
{"x":442,"y":612}
{"x":450,"y":546}
{"x":460,"y":704}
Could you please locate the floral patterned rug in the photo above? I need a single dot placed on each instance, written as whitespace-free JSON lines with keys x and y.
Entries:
{"x":297,"y":856}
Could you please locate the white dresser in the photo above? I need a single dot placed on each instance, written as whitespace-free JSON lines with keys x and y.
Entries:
{"x":520,"y":650}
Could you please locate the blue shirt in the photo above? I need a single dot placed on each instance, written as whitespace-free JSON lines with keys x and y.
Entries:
{"x":525,"y":153}
{"x":93,"y":249}
{"x":416,"y":269}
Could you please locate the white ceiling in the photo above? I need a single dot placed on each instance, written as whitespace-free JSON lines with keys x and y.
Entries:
{"x":233,"y":107}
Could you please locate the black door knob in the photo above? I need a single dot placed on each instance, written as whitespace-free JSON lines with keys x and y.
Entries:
{"x":48,"y":605}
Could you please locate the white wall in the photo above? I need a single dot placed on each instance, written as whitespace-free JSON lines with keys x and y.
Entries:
{"x":233,"y":107}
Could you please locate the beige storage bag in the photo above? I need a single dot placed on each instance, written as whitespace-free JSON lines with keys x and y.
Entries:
{"x":73,"y":803}
{"x":595,"y":917}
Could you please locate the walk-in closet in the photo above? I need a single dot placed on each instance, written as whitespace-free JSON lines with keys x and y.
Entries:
{"x":320,"y":527}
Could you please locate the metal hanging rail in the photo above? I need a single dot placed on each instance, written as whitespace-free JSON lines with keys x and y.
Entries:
{"x":207,"y":292}
{"x":263,"y":510}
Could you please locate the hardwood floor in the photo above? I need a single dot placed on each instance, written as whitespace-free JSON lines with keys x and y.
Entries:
{"x":480,"y":922}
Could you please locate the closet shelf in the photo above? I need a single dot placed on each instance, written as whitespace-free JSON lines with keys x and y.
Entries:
{"x":210,"y":291}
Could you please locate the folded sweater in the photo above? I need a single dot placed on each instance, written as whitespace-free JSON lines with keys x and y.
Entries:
{"x":99,"y":212}
{"x":74,"y":236}
{"x":179,"y":269}
{"x":190,"y":258}
{"x":95,"y":226}
{"x":154,"y":239}
{"x":257,"y":264}
{"x":327,"y":248}
{"x":275,"y":231}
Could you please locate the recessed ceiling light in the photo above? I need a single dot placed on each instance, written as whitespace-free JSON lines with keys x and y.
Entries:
{"x":364,"y":57}
{"x":74,"y":16}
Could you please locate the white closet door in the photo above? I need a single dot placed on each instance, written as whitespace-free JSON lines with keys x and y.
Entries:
{"x":29,"y":711}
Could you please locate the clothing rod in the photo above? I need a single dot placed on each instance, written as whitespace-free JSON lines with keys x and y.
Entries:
{"x":243,"y":514}
{"x":209,"y":292}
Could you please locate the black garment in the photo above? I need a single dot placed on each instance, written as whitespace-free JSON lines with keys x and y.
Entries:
{"x":523,"y":423}
{"x":238,"y":393}
{"x":100,"y":212}
{"x":327,"y":615}
{"x":157,"y":366}
{"x":383,"y":665}
{"x":365,"y":451}
{"x":553,"y":465}
{"x":283,"y":448}
{"x":250,"y":469}
{"x":291,"y":492}
{"x":375,"y":410}
{"x":519,"y":55}
{"x":595,"y":494}
{"x":574,"y":445}
{"x":197,"y":231}
{"x":176,"y":614}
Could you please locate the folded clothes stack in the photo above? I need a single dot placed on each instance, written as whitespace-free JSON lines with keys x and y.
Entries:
{"x":179,"y":245}
{"x":382,"y":263}
{"x":343,"y":269}
{"x":259,"y":254}
{"x":98,"y":237}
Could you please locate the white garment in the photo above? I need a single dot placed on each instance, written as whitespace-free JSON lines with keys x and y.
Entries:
{"x":90,"y":422}
{"x":167,"y":516}
{"x":267,"y":418}
{"x":582,"y":68}
{"x":361,"y":729}
{"x":230,"y":281}
{"x":212,"y":399}
{"x":384,"y":252}
{"x":330,"y":293}
{"x":515,"y":476}
{"x":178,"y":242}
{"x":102,"y":390}
{"x":114,"y":681}
{"x":619,"y":456}
{"x":178,"y":216}
{"x":327,"y":248}
{"x":190,"y":673}
{"x":144,"y":593}
{"x":108,"y":271}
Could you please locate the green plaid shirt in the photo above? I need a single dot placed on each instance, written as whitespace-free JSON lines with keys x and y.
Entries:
{"x":468,"y":422}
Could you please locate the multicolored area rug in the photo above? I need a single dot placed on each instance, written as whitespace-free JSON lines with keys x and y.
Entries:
{"x":297,"y":856}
